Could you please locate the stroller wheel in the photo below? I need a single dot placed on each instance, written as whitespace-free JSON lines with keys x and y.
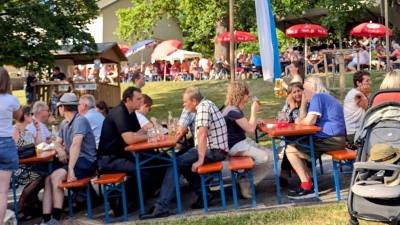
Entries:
{"x":353,"y":221}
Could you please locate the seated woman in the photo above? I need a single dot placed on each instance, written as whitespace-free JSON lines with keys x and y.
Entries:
{"x":395,"y":53}
{"x":193,"y":69}
{"x":237,"y":126}
{"x":29,"y":205}
{"x":174,"y":72}
{"x":297,"y":72}
{"x":112,"y":73}
{"x":325,"y":112}
{"x":292,"y":110}
{"x":356,"y":103}
{"x":185,"y":69}
{"x":318,"y":63}
{"x":363,"y":56}
{"x":392,"y":80}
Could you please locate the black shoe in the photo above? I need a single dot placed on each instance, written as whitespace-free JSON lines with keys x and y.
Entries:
{"x":116,"y":205}
{"x":154,"y":213}
{"x":199,"y":204}
{"x":301,"y":193}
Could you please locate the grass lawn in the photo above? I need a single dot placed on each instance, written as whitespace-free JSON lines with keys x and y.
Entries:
{"x":168,"y":96}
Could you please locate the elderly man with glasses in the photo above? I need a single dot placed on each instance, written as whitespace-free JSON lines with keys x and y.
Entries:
{"x":42,"y":113}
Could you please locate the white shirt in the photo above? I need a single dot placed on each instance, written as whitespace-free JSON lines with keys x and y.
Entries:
{"x":364,"y":57}
{"x":9,"y":104}
{"x":142,"y":119}
{"x":353,"y":113}
{"x":45,"y":132}
{"x":203,"y":63}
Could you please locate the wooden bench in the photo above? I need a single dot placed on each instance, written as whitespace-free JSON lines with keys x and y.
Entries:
{"x":114,"y":182}
{"x":82,"y":183}
{"x":396,"y":65}
{"x":241,"y":167}
{"x":340,"y":159}
{"x":209,"y":172}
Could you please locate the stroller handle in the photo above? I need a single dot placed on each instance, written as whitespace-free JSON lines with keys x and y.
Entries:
{"x":375,"y":166}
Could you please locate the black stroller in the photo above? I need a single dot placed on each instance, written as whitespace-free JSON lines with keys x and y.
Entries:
{"x":368,"y":199}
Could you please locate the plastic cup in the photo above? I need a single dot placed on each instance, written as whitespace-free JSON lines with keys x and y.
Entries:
{"x":38,"y":151}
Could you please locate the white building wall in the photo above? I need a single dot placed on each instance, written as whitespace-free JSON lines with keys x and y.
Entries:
{"x":96,"y":29}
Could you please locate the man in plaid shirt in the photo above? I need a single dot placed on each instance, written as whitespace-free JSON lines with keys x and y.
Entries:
{"x":211,"y":145}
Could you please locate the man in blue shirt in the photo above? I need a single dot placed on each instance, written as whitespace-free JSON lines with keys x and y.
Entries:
{"x":256,"y":59}
{"x":326,"y":112}
{"x":87,"y":109}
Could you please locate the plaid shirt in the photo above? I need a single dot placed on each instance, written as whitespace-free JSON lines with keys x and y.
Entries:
{"x":187,"y":120}
{"x":208,"y":115}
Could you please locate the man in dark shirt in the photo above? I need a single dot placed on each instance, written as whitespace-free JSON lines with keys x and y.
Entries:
{"x":57,"y":74}
{"x":30,"y":85}
{"x":118,"y":132}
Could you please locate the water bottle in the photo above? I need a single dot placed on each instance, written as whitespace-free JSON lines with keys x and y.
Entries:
{"x":170,"y":119}
{"x":54,"y":134}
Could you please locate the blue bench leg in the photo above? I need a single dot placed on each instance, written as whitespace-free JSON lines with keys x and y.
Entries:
{"x":235,"y":200}
{"x":336,"y":178}
{"x":321,"y":167}
{"x":221,"y":186}
{"x":106,"y":203}
{"x":15,"y":196}
{"x":204,"y":192}
{"x":71,"y":214}
{"x":124,"y":201}
{"x":253,"y":191}
{"x":89,"y":202}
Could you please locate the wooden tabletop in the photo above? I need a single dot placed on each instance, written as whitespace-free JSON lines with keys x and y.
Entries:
{"x":143,"y":146}
{"x":46,"y":156}
{"x":291,"y":130}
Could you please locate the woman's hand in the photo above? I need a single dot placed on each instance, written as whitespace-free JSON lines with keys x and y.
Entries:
{"x":291,"y":102}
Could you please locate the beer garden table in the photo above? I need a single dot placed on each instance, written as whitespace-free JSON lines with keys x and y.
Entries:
{"x":298,"y":133}
{"x":146,"y":149}
{"x":30,"y":165}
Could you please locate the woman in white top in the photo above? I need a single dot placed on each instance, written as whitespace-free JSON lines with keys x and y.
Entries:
{"x":363,"y":56}
{"x":145,"y":107}
{"x":9,"y":110}
{"x":356,"y":103}
{"x":149,"y":71}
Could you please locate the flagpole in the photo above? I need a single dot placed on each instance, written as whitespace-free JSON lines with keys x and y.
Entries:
{"x":231,"y":41}
{"x":387,"y":37}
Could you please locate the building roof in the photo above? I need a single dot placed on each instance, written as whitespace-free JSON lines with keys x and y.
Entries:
{"x":105,"y":3}
{"x":106,"y":52}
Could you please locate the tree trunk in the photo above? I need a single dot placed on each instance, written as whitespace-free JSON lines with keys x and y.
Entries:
{"x":396,"y":7}
{"x":221,"y":49}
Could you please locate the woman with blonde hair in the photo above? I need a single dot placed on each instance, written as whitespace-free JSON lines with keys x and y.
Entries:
{"x":237,"y":127}
{"x":392,"y":80}
{"x":9,"y":109}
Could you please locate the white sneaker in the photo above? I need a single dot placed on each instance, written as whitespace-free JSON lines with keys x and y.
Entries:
{"x":51,"y":222}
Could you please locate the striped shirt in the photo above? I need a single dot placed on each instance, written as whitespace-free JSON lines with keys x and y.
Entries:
{"x":208,"y":115}
{"x":187,"y":120}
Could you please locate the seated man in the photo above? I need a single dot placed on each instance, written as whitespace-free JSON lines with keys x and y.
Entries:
{"x":120,"y":130}
{"x":238,"y":126}
{"x":86,"y":108}
{"x":79,"y":157}
{"x":211,"y":142}
{"x":326,"y":112}
{"x":41,"y":113}
{"x":356,"y":103}
{"x":225,"y":64}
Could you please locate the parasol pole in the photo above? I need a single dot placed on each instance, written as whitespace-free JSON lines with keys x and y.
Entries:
{"x":387,"y":37}
{"x":305,"y":55}
{"x":370,"y":52}
{"x":231,"y":41}
{"x":141,"y":58}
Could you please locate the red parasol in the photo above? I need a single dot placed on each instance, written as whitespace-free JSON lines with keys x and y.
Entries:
{"x":306,"y":31}
{"x":124,"y":48}
{"x":370,"y":30}
{"x":165,"y":49}
{"x":239,"y":36}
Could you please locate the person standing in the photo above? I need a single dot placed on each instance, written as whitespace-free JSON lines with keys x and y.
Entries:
{"x":57,"y":74}
{"x":9,"y":109}
{"x":30,"y":87}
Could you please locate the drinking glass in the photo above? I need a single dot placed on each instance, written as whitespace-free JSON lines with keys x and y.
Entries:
{"x":37,"y":150}
{"x":257,"y":100}
{"x":151,"y":135}
{"x":171,"y":130}
{"x":164,"y":124}
{"x":160,"y":133}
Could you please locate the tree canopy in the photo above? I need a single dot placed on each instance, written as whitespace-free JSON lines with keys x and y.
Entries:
{"x":203,"y":20}
{"x":31,"y":29}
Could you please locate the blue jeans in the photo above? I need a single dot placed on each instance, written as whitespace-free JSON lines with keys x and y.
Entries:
{"x":8,"y":154}
{"x":30,"y":97}
{"x":184,"y":163}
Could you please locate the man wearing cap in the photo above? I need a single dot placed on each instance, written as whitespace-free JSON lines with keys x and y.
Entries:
{"x":79,"y":156}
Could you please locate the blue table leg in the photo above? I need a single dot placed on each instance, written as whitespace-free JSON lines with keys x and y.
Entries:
{"x":276,"y":171}
{"x":314,"y":169}
{"x":176,"y":178}
{"x":139,"y":179}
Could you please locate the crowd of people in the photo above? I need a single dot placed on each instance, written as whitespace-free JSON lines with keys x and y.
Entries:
{"x":91,"y":138}
{"x":371,"y":52}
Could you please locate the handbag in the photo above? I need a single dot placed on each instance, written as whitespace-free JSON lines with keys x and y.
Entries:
{"x":26,"y":151}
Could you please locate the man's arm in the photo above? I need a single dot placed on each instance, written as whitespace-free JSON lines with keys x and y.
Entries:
{"x":131,"y":138}
{"x":62,"y":155}
{"x":201,"y":147}
{"x":73,"y":156}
